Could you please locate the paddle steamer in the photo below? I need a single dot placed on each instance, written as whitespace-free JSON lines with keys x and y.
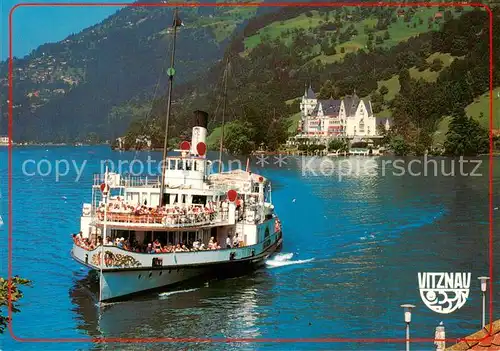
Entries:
{"x":145,"y":233}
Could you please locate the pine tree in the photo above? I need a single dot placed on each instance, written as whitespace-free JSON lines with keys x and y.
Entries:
{"x":465,"y":136}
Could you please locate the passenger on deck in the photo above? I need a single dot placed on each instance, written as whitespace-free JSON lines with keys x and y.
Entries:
{"x":228,"y":242}
{"x":196,"y":244}
{"x":211,"y":243}
{"x":236,"y":241}
{"x":156,"y":245}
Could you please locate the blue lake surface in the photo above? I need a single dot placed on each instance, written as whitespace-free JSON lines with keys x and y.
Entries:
{"x":358,"y":241}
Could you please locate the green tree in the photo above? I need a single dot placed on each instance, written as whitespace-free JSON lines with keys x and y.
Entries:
{"x":15,"y":295}
{"x":382,"y":132}
{"x":330,"y":50}
{"x":404,"y":82}
{"x":329,"y":90}
{"x":239,"y":138}
{"x":465,"y":136}
{"x":277,"y":133}
{"x":93,"y":138}
{"x":400,"y":146}
{"x":436,"y":65}
{"x":386,"y":35}
{"x":377,"y":102}
{"x":338,"y":145}
{"x":369,"y":45}
{"x":383,"y":90}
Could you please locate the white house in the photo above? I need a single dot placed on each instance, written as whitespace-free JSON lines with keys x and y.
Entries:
{"x":350,"y":117}
{"x":4,"y":140}
{"x":142,"y":140}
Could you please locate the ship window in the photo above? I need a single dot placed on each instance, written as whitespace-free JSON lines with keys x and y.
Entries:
{"x":170,"y":238}
{"x":191,"y":237}
{"x":195,"y":164}
{"x":166,"y":199}
{"x":172,"y":165}
{"x":199,"y":199}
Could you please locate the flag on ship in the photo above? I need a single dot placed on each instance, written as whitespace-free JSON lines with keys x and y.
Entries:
{"x":177,"y":20}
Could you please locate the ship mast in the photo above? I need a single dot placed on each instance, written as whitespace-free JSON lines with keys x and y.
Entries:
{"x":223,"y":115}
{"x":171,"y":72}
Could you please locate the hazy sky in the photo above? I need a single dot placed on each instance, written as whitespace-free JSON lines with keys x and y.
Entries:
{"x":33,"y":26}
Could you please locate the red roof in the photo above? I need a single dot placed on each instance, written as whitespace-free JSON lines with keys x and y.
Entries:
{"x":492,"y":343}
{"x":481,"y":340}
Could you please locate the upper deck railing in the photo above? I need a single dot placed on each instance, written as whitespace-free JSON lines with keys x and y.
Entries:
{"x":154,"y":182}
{"x":128,"y":181}
{"x":172,"y":216}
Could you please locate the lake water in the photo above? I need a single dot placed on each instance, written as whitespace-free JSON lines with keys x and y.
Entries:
{"x":353,"y":245}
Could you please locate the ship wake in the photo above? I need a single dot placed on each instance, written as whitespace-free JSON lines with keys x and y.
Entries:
{"x":285,"y":259}
{"x":168,"y":293}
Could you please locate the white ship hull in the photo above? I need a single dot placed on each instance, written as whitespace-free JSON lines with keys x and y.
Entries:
{"x":140,"y":234}
{"x":122,"y":282}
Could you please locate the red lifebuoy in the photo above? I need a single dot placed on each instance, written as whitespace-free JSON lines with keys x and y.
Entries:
{"x":185,"y":145}
{"x":201,"y":148}
{"x":232,"y":195}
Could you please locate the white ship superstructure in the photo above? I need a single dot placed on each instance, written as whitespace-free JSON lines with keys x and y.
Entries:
{"x":146,"y":233}
{"x":208,"y":223}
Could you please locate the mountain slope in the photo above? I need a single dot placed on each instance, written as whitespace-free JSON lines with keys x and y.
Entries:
{"x":65,"y":90}
{"x":427,"y":77}
{"x":106,"y":76}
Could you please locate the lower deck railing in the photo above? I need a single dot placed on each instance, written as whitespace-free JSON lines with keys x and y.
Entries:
{"x":115,"y":258}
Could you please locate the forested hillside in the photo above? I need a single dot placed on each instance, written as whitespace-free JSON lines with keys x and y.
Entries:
{"x":68,"y":89}
{"x":418,"y":81}
{"x":415,"y":63}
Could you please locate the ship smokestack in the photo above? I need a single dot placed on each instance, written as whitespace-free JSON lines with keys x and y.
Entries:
{"x":200,"y":119}
{"x":199,"y":136}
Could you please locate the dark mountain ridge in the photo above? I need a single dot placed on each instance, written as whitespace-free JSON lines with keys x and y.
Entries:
{"x":66,"y":90}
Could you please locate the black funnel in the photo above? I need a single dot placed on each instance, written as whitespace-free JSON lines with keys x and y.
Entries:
{"x":200,"y":119}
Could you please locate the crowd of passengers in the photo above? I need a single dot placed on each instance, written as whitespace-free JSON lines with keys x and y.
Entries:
{"x":172,"y":214}
{"x":156,"y":246}
{"x":120,"y":206}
